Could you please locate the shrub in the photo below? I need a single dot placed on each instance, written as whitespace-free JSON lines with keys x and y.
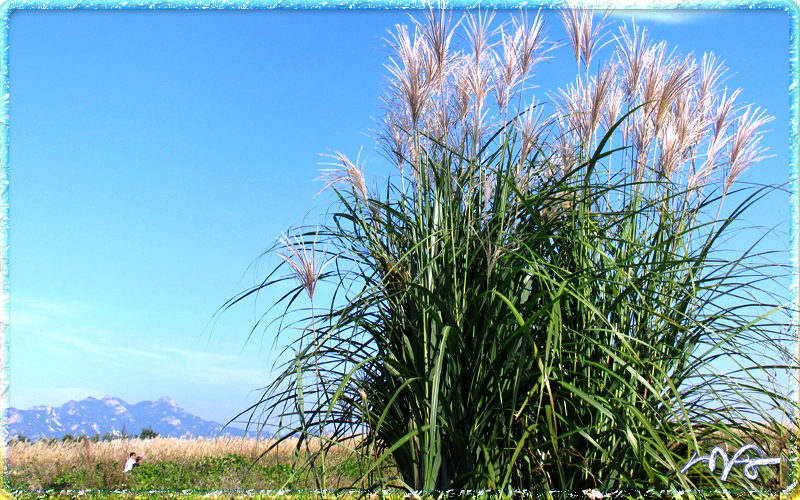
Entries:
{"x":148,"y":433}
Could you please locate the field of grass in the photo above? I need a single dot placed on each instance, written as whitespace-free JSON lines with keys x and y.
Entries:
{"x":231,"y":468}
{"x":170,"y":464}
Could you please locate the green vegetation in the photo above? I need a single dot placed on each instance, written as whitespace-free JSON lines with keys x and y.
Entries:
{"x":539,"y":301}
{"x":148,"y":433}
{"x":231,"y":472}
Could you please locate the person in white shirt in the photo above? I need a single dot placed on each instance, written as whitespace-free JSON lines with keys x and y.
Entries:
{"x":130,"y":463}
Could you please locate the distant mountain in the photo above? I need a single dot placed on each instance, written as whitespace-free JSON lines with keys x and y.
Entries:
{"x":98,"y":416}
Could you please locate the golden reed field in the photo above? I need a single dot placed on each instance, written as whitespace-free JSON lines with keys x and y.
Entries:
{"x":159,"y":449}
{"x":169,"y":463}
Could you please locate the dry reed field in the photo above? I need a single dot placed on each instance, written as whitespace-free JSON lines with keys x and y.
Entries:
{"x":196,"y":463}
{"x":160,"y":449}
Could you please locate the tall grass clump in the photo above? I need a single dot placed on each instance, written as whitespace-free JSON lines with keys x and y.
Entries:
{"x":545,"y":297}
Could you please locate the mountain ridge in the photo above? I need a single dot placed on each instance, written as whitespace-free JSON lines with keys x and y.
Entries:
{"x":93,"y":416}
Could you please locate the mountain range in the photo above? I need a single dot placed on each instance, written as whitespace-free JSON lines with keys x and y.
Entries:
{"x":99,"y":416}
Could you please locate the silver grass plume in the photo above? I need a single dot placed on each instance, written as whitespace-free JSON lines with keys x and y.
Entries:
{"x":307,"y":265}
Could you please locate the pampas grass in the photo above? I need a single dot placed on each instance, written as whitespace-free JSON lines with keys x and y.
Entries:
{"x":542,"y":300}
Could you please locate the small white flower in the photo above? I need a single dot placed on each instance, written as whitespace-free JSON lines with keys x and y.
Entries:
{"x":594,"y":494}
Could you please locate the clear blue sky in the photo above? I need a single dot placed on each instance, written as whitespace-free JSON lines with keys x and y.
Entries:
{"x":155,"y":154}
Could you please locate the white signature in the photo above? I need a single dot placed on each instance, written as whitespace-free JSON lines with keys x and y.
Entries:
{"x":750,"y":464}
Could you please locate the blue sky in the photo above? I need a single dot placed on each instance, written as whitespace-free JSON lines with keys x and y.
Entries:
{"x":155,"y":154}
